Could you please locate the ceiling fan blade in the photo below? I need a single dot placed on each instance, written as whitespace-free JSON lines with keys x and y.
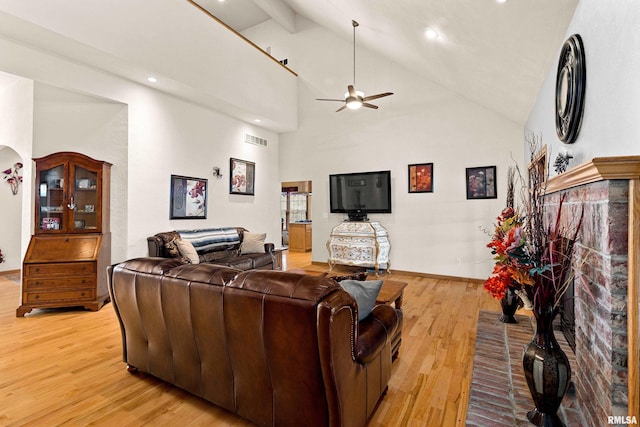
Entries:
{"x":352,"y":91}
{"x":341,"y":108}
{"x":364,"y":104}
{"x":380,"y":95}
{"x":326,"y":99}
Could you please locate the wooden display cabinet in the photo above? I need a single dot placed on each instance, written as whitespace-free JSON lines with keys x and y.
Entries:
{"x":65,"y":264}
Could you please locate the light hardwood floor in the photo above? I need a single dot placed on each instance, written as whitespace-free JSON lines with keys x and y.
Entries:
{"x":64,"y":367}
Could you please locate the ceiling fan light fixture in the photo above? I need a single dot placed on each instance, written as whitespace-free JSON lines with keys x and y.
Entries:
{"x":353,"y":103}
{"x":431,"y":34}
{"x":354,"y":99}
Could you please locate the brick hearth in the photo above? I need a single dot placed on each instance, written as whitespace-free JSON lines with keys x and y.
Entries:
{"x":499,"y":395}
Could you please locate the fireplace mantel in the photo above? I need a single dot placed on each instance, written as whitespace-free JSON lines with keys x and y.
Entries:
{"x":598,"y":169}
{"x":618,"y":168}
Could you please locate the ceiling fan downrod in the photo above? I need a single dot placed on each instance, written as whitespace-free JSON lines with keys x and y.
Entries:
{"x":355,"y":24}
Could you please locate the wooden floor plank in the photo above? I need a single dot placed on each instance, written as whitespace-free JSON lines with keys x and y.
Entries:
{"x":64,"y":367}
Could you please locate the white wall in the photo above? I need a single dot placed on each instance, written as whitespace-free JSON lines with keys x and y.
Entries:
{"x":610,"y":125}
{"x":96,"y":127}
{"x":11,"y":216}
{"x":16,"y":133}
{"x":435,"y":232}
{"x":165,"y":136}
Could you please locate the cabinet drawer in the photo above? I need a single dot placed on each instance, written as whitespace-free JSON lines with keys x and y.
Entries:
{"x":58,"y":283}
{"x":44,"y":297}
{"x":63,"y":268}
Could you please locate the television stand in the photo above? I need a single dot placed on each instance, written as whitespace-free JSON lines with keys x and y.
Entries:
{"x":362,"y":244}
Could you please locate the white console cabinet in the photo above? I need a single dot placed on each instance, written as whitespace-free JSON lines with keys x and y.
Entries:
{"x":359,"y":243}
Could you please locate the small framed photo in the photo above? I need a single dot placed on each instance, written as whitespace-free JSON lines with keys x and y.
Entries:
{"x":242,"y":179}
{"x":481,"y":183}
{"x":421,"y":178}
{"x":79,"y":224}
{"x":51,"y":223}
{"x":188,"y":197}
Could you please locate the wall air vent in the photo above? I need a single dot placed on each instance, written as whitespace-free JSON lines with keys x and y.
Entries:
{"x":252,"y":139}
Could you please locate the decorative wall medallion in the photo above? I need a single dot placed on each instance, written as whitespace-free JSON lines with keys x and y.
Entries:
{"x":570,"y":89}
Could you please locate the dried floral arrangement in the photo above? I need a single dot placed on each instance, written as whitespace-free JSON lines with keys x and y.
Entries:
{"x":531,"y":256}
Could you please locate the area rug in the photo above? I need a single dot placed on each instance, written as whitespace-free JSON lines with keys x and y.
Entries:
{"x":499,"y":395}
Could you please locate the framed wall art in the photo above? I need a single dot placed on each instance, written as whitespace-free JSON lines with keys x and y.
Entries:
{"x":242,"y":179}
{"x":188,"y":197}
{"x":421,"y":178}
{"x":481,"y":183}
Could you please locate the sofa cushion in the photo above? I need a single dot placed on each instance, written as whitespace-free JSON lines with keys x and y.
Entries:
{"x":253,"y":243}
{"x":214,"y":256}
{"x":365,"y":294}
{"x":260,"y":260}
{"x":239,"y":262}
{"x":187,"y":251}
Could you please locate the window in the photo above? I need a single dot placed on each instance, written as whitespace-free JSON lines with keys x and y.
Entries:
{"x":297,"y":207}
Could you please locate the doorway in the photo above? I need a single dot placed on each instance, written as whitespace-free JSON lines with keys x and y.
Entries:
{"x":295,"y":215}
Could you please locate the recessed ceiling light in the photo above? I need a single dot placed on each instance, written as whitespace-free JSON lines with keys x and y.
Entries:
{"x":501,"y":1}
{"x":152,"y":80}
{"x":257,"y":120}
{"x":431,"y":34}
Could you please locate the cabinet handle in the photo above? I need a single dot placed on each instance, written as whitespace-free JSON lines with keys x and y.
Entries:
{"x":71,"y":205}
{"x":37,"y":296}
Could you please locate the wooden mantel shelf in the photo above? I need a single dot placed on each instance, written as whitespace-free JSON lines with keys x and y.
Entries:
{"x":598,"y":169}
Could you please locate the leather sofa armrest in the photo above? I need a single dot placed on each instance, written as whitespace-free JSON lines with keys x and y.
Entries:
{"x":375,"y":331}
{"x":269,"y":248}
{"x":156,"y":246}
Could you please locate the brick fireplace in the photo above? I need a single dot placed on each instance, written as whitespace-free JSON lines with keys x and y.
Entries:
{"x":607,"y":257}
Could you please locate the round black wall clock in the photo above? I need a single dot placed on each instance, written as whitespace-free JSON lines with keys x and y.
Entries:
{"x":570,"y":88}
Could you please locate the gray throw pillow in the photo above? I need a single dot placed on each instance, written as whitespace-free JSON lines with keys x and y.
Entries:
{"x":365,"y":294}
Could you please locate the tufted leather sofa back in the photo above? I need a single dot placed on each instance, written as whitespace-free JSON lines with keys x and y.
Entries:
{"x":276,"y":348}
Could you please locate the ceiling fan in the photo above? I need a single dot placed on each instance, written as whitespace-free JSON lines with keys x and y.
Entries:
{"x":354,"y":99}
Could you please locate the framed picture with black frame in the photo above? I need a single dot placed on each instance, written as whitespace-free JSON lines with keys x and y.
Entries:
{"x":481,"y":183}
{"x":188,"y":198}
{"x":242,"y":179}
{"x":421,"y":178}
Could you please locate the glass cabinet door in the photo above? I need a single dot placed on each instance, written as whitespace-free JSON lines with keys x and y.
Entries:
{"x":84,"y":200}
{"x":51,"y":206}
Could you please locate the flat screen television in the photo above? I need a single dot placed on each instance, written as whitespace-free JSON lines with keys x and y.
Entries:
{"x":358,"y":194}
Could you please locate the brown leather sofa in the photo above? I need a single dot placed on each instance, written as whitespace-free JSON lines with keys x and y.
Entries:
{"x":276,"y":348}
{"x":223,"y":254}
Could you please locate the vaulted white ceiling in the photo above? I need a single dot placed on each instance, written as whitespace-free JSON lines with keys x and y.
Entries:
{"x":496,"y":54}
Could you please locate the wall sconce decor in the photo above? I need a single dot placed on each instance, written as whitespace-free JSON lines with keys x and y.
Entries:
{"x":216,"y":172}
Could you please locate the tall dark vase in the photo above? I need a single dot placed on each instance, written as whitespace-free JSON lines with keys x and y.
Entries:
{"x":509,"y":304}
{"x":547,"y":371}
